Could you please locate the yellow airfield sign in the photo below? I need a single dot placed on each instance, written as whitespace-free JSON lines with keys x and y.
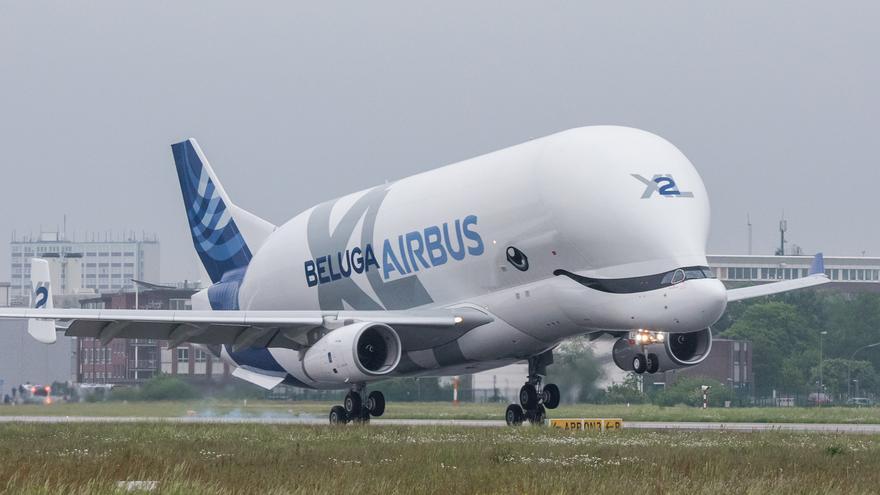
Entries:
{"x":587,"y":424}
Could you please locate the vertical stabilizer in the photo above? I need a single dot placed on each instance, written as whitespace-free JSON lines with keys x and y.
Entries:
{"x":224,"y":235}
{"x":42,"y":330}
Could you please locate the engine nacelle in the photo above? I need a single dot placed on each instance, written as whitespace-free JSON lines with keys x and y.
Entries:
{"x":672,"y":350}
{"x":359,"y":352}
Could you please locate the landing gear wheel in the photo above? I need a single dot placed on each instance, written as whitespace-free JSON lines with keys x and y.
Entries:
{"x":537,"y":416}
{"x":514,"y":415}
{"x":550,"y":396}
{"x":653,"y":364}
{"x":640,"y":363}
{"x":528,"y":397}
{"x":376,"y":403}
{"x":338,"y":416}
{"x":352,"y":403}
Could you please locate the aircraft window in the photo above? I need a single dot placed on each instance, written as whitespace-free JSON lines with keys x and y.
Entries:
{"x":639,"y":284}
{"x":678,"y":276}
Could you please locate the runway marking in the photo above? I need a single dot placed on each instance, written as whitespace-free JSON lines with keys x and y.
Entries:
{"x":638,"y":425}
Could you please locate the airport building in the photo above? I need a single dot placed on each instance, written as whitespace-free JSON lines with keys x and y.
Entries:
{"x":100,"y":265}
{"x":848,"y":273}
{"x":131,"y":361}
{"x":730,"y":363}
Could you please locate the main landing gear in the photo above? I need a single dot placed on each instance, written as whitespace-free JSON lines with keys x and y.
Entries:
{"x":534,"y":397}
{"x":355,"y":409}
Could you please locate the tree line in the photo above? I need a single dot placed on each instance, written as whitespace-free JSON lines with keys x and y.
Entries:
{"x":786,"y":331}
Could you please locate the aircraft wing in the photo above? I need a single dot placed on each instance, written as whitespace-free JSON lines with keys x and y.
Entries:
{"x":239,"y":329}
{"x":816,"y":277}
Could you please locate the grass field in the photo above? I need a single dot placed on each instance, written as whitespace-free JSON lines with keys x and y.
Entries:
{"x":93,"y":458}
{"x":445,"y":410}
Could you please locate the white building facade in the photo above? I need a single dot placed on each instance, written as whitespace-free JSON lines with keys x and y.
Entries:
{"x":846,"y":272}
{"x":100,"y":266}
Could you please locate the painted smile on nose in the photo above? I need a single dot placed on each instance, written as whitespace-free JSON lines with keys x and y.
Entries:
{"x":632,"y":285}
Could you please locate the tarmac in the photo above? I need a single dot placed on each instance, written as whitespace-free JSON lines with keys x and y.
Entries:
{"x":312,"y":420}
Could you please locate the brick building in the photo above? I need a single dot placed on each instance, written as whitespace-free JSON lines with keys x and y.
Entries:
{"x":131,"y":361}
{"x":730,"y":362}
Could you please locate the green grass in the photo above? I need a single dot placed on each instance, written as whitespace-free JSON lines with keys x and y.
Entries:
{"x":445,"y":410}
{"x":189,"y":458}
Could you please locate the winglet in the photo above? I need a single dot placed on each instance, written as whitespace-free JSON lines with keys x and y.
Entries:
{"x":41,"y":330}
{"x":818,"y":265}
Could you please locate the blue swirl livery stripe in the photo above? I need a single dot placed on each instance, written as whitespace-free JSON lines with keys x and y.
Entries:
{"x":217,"y":239}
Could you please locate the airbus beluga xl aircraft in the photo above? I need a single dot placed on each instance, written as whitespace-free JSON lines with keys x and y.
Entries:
{"x":483,"y":263}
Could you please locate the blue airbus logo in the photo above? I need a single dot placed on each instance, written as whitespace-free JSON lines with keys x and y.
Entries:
{"x":418,"y":250}
{"x":664,"y":185}
{"x":41,"y":295}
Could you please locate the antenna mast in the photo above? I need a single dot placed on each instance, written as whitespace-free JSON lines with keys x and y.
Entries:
{"x":749,"y":224}
{"x":783,"y":226}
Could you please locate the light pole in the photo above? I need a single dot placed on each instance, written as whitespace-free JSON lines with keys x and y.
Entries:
{"x":849,"y":366}
{"x":819,"y":392}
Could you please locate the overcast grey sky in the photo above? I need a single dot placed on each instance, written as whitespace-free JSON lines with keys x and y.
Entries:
{"x":776,"y":103}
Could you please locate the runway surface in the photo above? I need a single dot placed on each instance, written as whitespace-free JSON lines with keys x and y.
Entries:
{"x":313,"y":420}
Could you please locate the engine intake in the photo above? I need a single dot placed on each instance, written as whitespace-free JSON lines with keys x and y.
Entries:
{"x":689,"y":349}
{"x":672,"y":350}
{"x":358,"y":352}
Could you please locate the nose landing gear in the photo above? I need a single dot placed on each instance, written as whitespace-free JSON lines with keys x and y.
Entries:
{"x":355,"y":409}
{"x":649,"y":363}
{"x":534,"y":397}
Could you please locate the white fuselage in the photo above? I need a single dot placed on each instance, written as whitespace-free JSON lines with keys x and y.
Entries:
{"x":594,"y":202}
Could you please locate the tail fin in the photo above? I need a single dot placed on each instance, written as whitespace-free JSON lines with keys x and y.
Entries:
{"x":42,"y":330}
{"x":225,"y":236}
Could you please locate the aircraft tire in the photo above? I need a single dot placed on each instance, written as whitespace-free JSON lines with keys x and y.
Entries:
{"x":514,"y":415}
{"x":338,"y":416}
{"x":528,"y":397}
{"x":551,"y":396}
{"x":537,"y":416}
{"x":640,"y":363}
{"x":376,"y":403}
{"x":352,"y":403}
{"x":653,"y":364}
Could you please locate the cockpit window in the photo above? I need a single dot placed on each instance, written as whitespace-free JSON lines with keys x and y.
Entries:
{"x":640,"y":284}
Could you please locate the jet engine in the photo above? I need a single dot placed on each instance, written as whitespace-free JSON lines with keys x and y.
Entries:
{"x":359,"y":352}
{"x":644,"y":351}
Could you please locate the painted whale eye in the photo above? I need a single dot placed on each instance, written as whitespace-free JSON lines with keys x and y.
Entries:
{"x":517,"y":258}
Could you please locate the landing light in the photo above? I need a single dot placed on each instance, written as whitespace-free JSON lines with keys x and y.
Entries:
{"x":647,"y":337}
{"x":458,"y":319}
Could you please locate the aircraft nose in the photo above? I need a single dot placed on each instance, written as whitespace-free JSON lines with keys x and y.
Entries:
{"x":709,"y":301}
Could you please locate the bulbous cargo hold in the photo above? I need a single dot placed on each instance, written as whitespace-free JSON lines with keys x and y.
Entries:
{"x":604,"y":202}
{"x":664,"y":352}
{"x":359,"y":352}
